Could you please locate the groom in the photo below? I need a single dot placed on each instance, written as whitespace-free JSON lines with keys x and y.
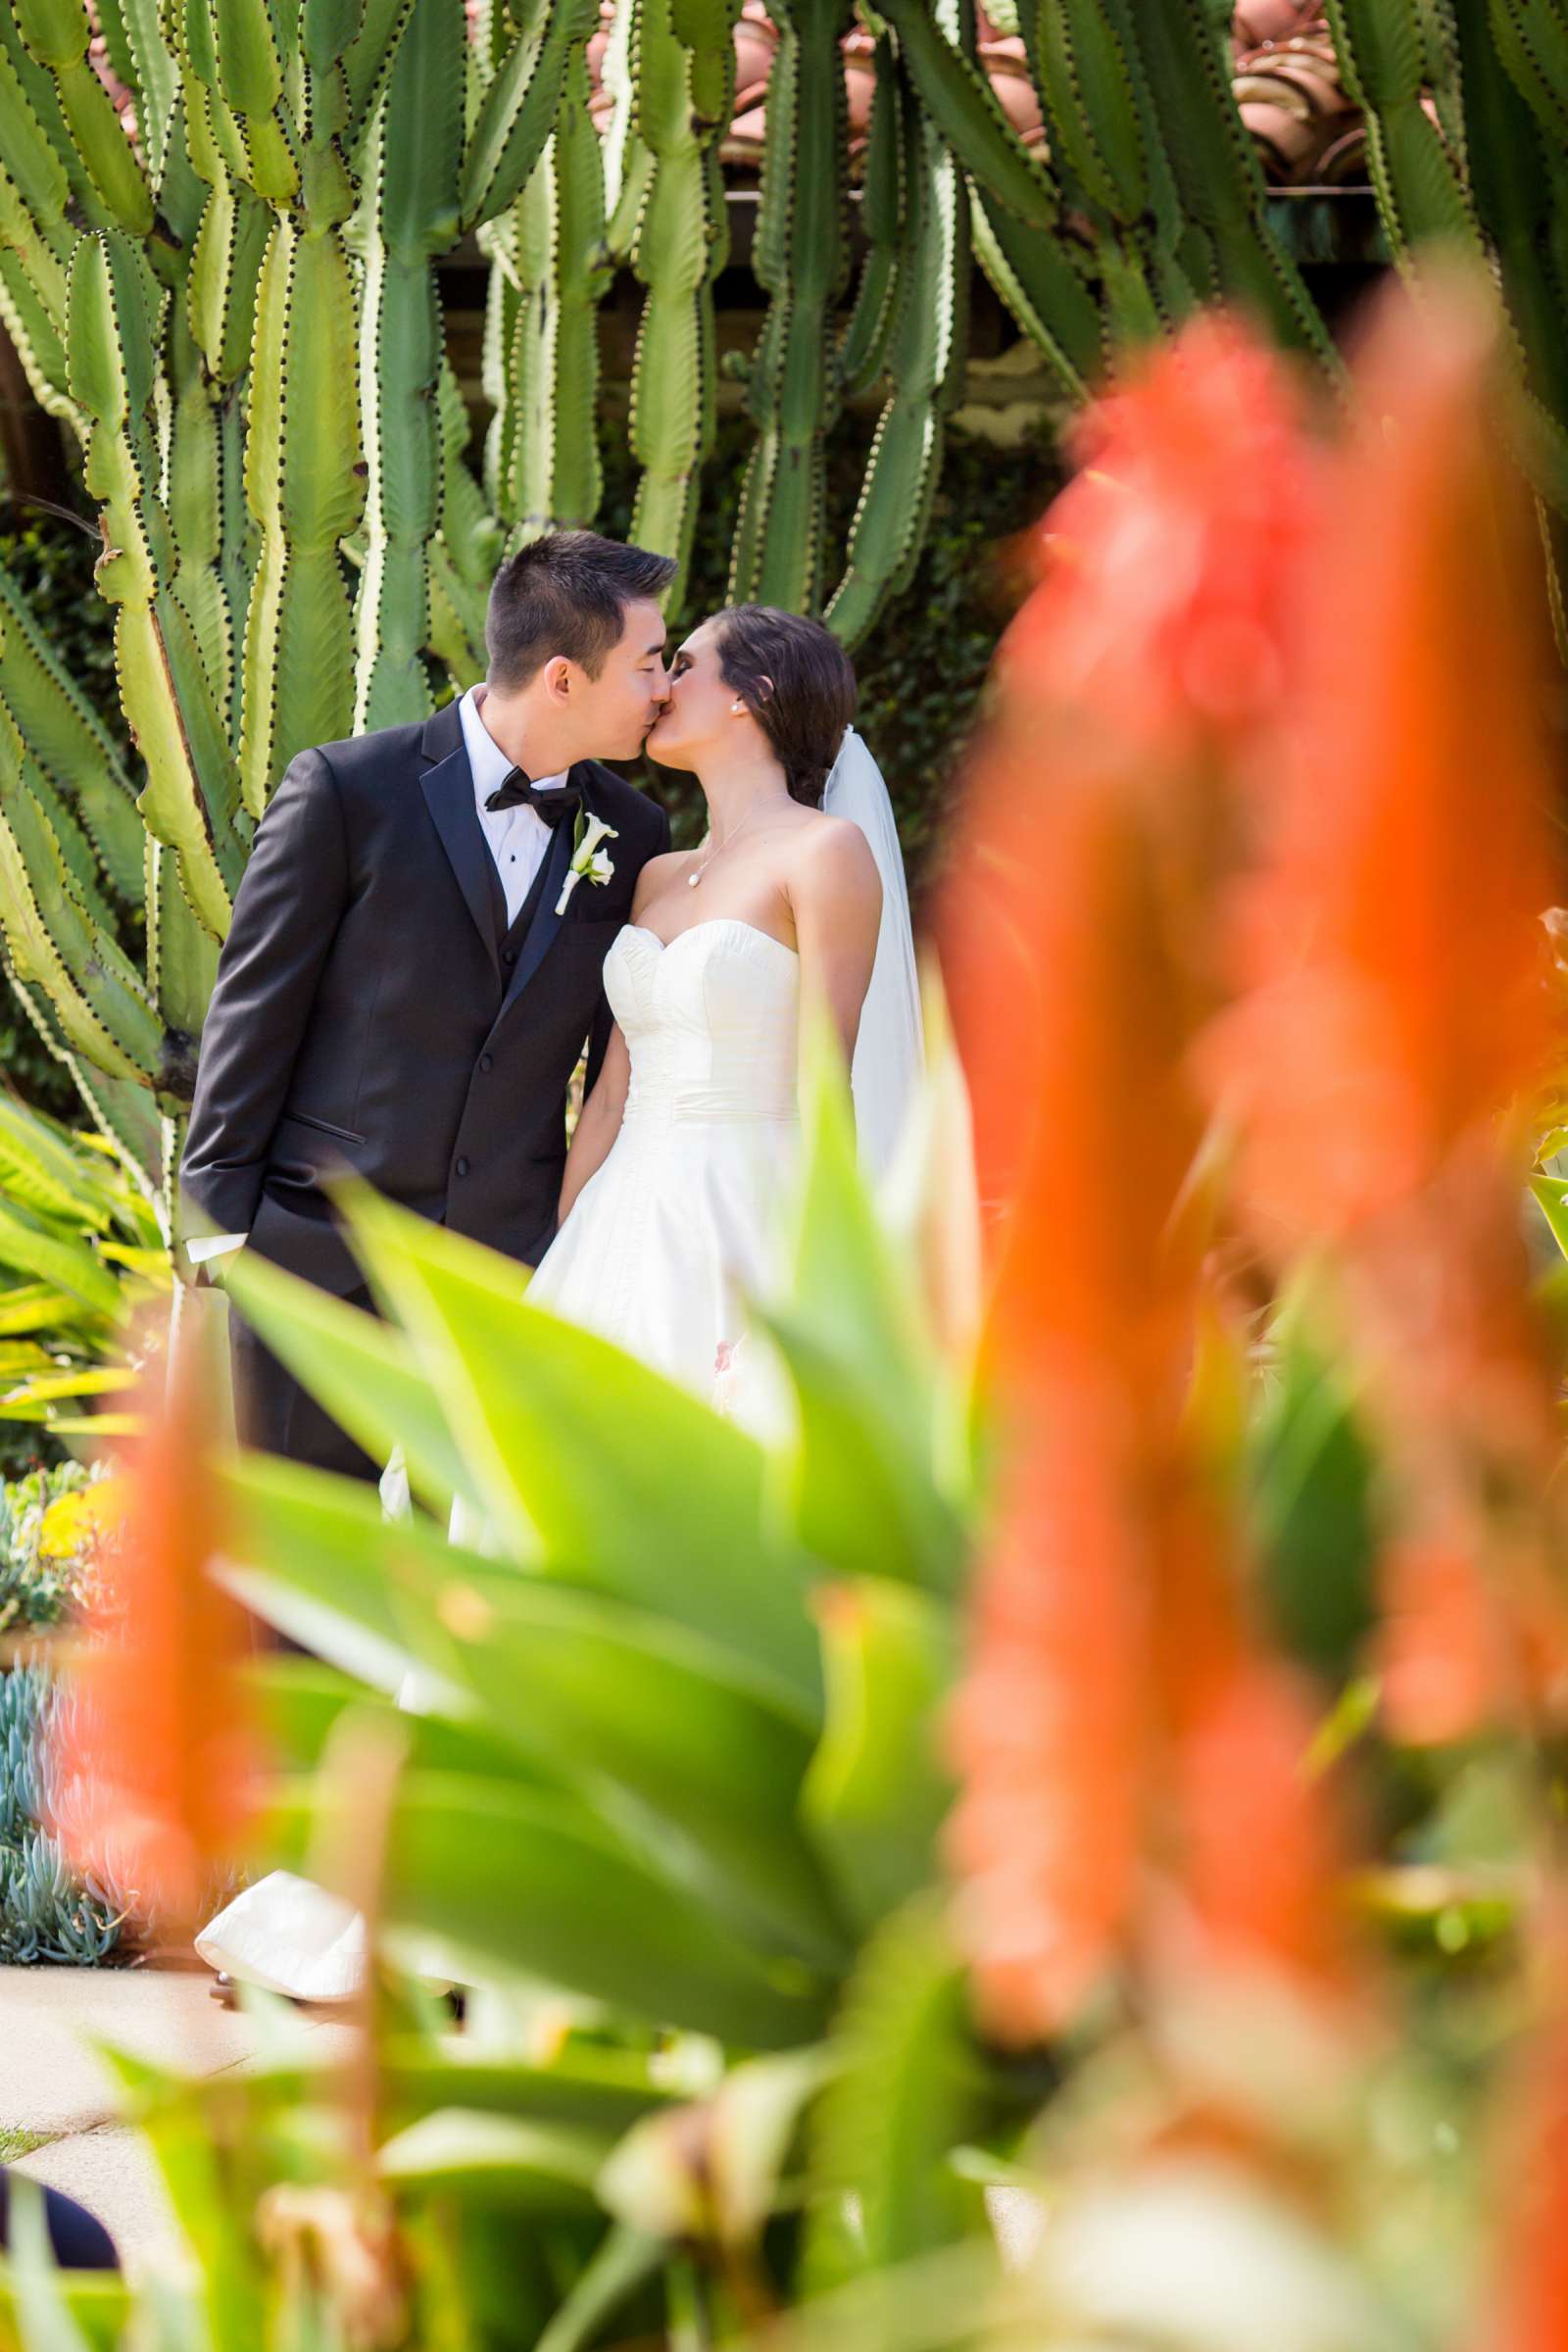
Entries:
{"x":400,"y":992}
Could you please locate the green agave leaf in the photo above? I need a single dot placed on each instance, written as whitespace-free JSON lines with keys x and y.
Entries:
{"x":31,"y":165}
{"x":862,"y":1478}
{"x":220,"y":290}
{"x":713,"y":2174}
{"x":1213,"y":159}
{"x":1551,"y":1196}
{"x":181,"y":953}
{"x":1310,"y":1480}
{"x":800,"y":254}
{"x":68,"y":740}
{"x":878,"y":1790}
{"x":859,"y":1483}
{"x":926,"y":366}
{"x":622,"y":2262}
{"x":903,"y":2090}
{"x":570,"y":1443}
{"x":126,"y":1113}
{"x":413,"y":161}
{"x":363,"y":1371}
{"x":36,"y":958}
{"x":99,"y":2303}
{"x":369,"y":60}
{"x":35,"y":320}
{"x":41,"y":1171}
{"x":587,"y":1687}
{"x":507,"y":1880}
{"x":57,"y":32}
{"x":496,"y":2160}
{"x":315,"y":1556}
{"x":1096,"y":126}
{"x":34,"y":1307}
{"x":1042,"y":290}
{"x":77,"y":971}
{"x":152,"y":74}
{"x":55,"y":1387}
{"x":76,"y":851}
{"x":300,"y":1702}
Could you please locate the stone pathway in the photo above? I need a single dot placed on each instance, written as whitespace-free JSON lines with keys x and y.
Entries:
{"x":52,"y":2083}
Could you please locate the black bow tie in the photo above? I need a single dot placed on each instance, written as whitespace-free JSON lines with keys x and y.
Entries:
{"x":556,"y":803}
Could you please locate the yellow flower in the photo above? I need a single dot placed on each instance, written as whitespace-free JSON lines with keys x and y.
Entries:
{"x":74,"y":1521}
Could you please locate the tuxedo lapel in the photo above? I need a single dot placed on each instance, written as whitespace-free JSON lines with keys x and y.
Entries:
{"x":545,"y":921}
{"x":448,"y":790}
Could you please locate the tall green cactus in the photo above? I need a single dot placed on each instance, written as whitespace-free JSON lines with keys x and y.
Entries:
{"x":924,"y":356}
{"x":801,"y":256}
{"x":683,"y":73}
{"x":236,"y":314}
{"x":540,"y":329}
{"x":409,"y":215}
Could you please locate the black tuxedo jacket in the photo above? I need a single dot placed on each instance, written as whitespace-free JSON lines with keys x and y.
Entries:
{"x":368,"y":1016}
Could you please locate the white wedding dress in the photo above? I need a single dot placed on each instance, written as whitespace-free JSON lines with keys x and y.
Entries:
{"x":678,"y":1225}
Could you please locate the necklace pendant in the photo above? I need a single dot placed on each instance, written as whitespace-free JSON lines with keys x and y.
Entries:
{"x":692,"y":880}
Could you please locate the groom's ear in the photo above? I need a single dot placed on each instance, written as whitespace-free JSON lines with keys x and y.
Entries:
{"x":556,"y":677}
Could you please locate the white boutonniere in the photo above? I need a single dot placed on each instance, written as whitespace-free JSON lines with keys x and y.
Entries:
{"x":589,"y":862}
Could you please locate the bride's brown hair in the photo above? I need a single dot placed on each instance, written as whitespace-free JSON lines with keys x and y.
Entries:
{"x":798,"y":683}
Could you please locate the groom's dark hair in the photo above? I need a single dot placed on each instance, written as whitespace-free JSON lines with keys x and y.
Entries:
{"x":566,"y":593}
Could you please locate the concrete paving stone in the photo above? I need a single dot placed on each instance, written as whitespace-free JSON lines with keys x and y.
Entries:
{"x":113,"y":2172}
{"x":51,"y":2081}
{"x":50,"y":2078}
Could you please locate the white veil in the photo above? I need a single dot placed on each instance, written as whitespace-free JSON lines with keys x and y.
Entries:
{"x":890,"y":1048}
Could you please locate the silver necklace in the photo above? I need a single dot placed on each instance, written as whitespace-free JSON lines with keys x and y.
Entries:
{"x":692,"y":880}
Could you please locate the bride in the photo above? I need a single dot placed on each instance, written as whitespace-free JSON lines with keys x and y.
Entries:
{"x":683,"y":1151}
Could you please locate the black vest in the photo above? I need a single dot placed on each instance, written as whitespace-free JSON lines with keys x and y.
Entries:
{"x":508,"y":938}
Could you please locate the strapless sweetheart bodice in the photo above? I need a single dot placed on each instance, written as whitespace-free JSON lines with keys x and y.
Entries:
{"x":711,"y":1021}
{"x":679,"y":1229}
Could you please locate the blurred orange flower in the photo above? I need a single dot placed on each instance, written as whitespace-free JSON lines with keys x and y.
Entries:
{"x":1400,"y":1014}
{"x":162,"y":1758}
{"x":1170,"y":560}
{"x":1160,"y":629}
{"x":1392,"y":944}
{"x":1113,"y":1689}
{"x":1049,"y":1727}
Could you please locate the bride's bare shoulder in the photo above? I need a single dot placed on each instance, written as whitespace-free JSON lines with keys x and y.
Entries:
{"x":833,"y":862}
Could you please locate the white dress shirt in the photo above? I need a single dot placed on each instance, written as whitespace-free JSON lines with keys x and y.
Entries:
{"x":518,"y":837}
{"x":517,"y":840}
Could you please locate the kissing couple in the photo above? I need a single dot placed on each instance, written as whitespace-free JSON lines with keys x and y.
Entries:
{"x":437,"y":920}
